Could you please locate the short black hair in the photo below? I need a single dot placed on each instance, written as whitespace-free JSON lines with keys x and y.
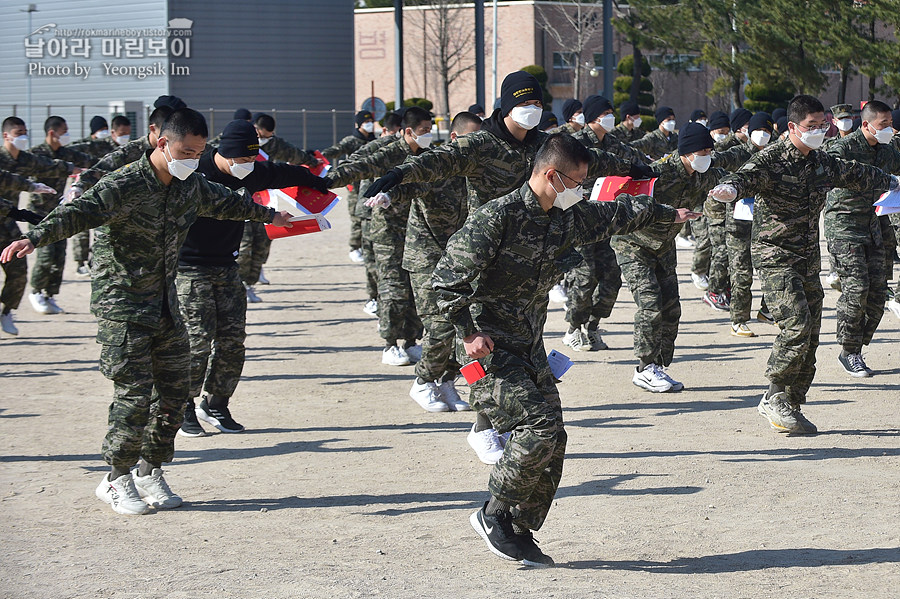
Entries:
{"x":802,"y":106}
{"x":11,"y":122}
{"x":392,"y":121}
{"x":159,"y":115}
{"x":561,"y":151}
{"x":53,"y":123}
{"x":184,"y":122}
{"x":462,"y":120}
{"x":874,"y":108}
{"x":120,"y":121}
{"x":415,"y":116}
{"x":265,"y":121}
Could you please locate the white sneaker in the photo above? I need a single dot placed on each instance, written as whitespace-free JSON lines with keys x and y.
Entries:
{"x":595,"y":340}
{"x":251,"y":295}
{"x":701,"y":282}
{"x":833,"y":280}
{"x":504,"y":438}
{"x":8,"y":324}
{"x":558,"y":294}
{"x":395,"y":356}
{"x":83,"y":270}
{"x":356,"y":256}
{"x":414,"y":352}
{"x":577,"y":340}
{"x":39,"y":303}
{"x":156,"y":490}
{"x":122,"y":495}
{"x":262,"y":277}
{"x":684,"y":243}
{"x":451,"y":397}
{"x":371,"y":307}
{"x":652,"y":378}
{"x":54,"y":307}
{"x":428,"y":397}
{"x":676,"y":386}
{"x":894,"y":307}
{"x":486,"y":445}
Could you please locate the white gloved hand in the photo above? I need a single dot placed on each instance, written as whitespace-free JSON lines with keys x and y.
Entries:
{"x":723,"y":192}
{"x":72,"y":194}
{"x":895,"y":183}
{"x":41,"y":188}
{"x":380,"y":200}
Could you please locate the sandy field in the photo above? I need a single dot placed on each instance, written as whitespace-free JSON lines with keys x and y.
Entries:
{"x":343,"y":487}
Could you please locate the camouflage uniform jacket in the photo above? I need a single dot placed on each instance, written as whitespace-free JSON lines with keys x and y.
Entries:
{"x":731,"y":160}
{"x":36,"y":167}
{"x":280,"y":150}
{"x":656,"y":144}
{"x":497,"y":270}
{"x":10,"y":185}
{"x":45,"y":202}
{"x":679,"y":189}
{"x":789,"y":190}
{"x":116,"y":159}
{"x":436,"y":213}
{"x":731,"y":140}
{"x":610,"y":144}
{"x":626,"y":135}
{"x":895,"y":141}
{"x":367,"y":150}
{"x":374,"y":165}
{"x":140,"y":227}
{"x":849,"y":215}
{"x":95,"y":148}
{"x":347,"y":146}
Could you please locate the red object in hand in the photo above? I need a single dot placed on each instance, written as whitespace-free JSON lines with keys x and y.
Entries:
{"x":297,"y":200}
{"x":302,"y":225}
{"x":473,"y":372}
{"x":606,"y":189}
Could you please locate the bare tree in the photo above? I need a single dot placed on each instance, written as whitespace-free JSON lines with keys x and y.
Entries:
{"x":574,"y":30}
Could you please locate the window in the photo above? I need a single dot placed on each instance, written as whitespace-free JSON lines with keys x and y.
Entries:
{"x":675,"y":62}
{"x":564,"y":60}
{"x":598,"y":60}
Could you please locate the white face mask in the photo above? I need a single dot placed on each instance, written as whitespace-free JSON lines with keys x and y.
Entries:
{"x":637,"y":121}
{"x":64,"y":139}
{"x":608,"y":122}
{"x":811,"y":139}
{"x":423,"y":141}
{"x":181,"y":169}
{"x":701,"y":163}
{"x":669,"y":125}
{"x":368,"y":127}
{"x":103,"y":134}
{"x":717,"y":137}
{"x":264,"y":140}
{"x":579,"y":119}
{"x":20,"y":142}
{"x":760,"y":137}
{"x":240,"y":170}
{"x":843,"y":124}
{"x":883,"y":136}
{"x":567,"y":198}
{"x":702,"y":122}
{"x":526,"y":117}
{"x":122,"y":139}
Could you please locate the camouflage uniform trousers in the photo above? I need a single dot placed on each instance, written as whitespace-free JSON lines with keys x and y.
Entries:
{"x":651,"y":277}
{"x":737,"y":238}
{"x":368,"y":259}
{"x":81,"y":247}
{"x":397,"y":318}
{"x":795,"y":301}
{"x":254,"y":252}
{"x":593,"y":285}
{"x":438,"y":362}
{"x":890,"y":246}
{"x":700,"y":262}
{"x":528,"y":474}
{"x":895,"y":221}
{"x":150,"y":371}
{"x":47,"y":272}
{"x":214,"y":306}
{"x":718,"y":263}
{"x":355,"y":222}
{"x":15,"y":271}
{"x":863,"y":291}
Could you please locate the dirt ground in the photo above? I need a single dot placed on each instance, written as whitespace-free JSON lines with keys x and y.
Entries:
{"x":342,"y":487}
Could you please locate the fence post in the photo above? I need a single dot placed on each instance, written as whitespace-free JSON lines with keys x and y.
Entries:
{"x":303,"y":113}
{"x":82,"y":120}
{"x":333,"y":126}
{"x":212,"y":121}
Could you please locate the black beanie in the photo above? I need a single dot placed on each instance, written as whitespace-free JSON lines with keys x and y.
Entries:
{"x":173,"y":102}
{"x":548,"y":119}
{"x":662,"y":113}
{"x":97,"y":123}
{"x":594,"y":106}
{"x":739,"y":117}
{"x":519,"y":87}
{"x":697,"y":115}
{"x":570,"y":107}
{"x":242,"y":114}
{"x":778,"y":113}
{"x":760,"y":120}
{"x":476,"y":109}
{"x":362,"y":116}
{"x":239,"y":139}
{"x":629,"y":108}
{"x":694,"y":137}
{"x":783,"y":121}
{"x":717,"y":120}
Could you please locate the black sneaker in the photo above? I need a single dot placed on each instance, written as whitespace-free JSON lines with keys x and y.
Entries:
{"x":805,"y":426}
{"x":534,"y":557}
{"x":854,"y":365}
{"x":497,"y":532}
{"x":191,"y":426}
{"x":218,"y":417}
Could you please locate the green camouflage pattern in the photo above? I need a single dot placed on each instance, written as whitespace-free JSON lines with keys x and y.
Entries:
{"x":253,"y":252}
{"x":115,"y":160}
{"x":438,"y":361}
{"x":657,"y":143}
{"x":95,"y":148}
{"x":39,"y":168}
{"x":346,"y":146}
{"x":280,"y":150}
{"x":626,"y":135}
{"x":863,"y":291}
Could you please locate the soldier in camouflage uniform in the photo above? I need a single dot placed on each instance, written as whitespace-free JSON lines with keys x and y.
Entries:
{"x":397,"y":318}
{"x":492,"y":284}
{"x":593,"y":285}
{"x":647,"y":257}
{"x":738,"y":122}
{"x":789,"y":181}
{"x":629,"y":129}
{"x":854,"y":236}
{"x":47,"y":272}
{"x":573,"y":116}
{"x":661,"y":141}
{"x":142,"y":214}
{"x":365,"y":126}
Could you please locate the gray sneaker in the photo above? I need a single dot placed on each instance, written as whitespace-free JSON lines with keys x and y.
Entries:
{"x":783,"y":416}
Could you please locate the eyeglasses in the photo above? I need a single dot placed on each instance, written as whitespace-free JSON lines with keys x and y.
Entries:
{"x":578,"y":183}
{"x":821,"y":129}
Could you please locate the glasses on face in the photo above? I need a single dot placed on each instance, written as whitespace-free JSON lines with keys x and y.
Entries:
{"x":577,"y":183}
{"x":820,"y":129}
